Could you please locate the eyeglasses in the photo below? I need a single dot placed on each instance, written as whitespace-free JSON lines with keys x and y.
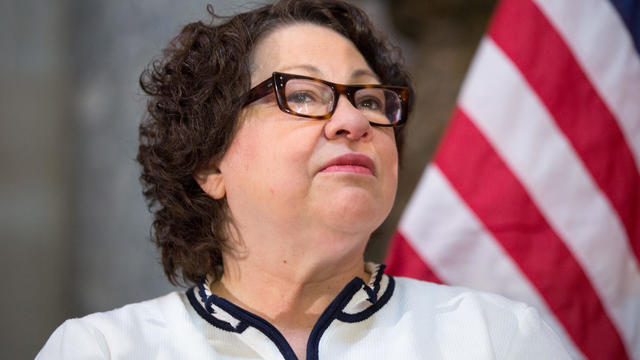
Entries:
{"x":314,"y":98}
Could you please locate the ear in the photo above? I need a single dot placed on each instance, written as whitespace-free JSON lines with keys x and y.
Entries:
{"x":211,"y":182}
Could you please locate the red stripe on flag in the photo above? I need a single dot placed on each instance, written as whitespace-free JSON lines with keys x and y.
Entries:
{"x":503,"y":205}
{"x":404,"y":261}
{"x":574,"y":103}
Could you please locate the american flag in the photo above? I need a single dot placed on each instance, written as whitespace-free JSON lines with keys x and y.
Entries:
{"x":534,"y":192}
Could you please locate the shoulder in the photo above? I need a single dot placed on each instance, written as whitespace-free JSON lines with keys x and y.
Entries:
{"x":158,"y":311}
{"x":99,"y":335}
{"x":502,"y":327}
{"x":413,"y":292}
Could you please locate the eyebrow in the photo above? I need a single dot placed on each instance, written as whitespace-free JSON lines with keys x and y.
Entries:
{"x":318,"y":73}
{"x":364,"y":72}
{"x":310,"y":68}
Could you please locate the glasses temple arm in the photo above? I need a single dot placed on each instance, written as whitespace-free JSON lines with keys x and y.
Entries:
{"x":259,"y":91}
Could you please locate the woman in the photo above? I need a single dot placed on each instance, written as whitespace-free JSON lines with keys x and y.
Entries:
{"x":267,"y":177}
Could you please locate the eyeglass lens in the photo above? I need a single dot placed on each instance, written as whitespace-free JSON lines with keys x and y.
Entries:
{"x":309,"y":97}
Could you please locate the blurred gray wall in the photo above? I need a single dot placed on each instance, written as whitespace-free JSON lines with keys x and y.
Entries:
{"x":75,"y":228}
{"x":35,"y":173}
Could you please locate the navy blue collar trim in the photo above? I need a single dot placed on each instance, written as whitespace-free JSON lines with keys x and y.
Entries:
{"x":242,"y":326}
{"x":373,"y":292}
{"x":332,"y":312}
{"x":246,"y":319}
{"x":366,"y":313}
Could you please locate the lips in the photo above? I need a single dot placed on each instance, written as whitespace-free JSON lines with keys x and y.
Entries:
{"x":351,"y":163}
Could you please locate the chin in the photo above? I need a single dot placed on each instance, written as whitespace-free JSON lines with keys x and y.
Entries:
{"x":357,"y":214}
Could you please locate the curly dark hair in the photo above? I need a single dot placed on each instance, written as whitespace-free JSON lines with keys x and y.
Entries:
{"x":196,"y":90}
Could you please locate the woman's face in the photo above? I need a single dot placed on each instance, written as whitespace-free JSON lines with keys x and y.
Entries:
{"x":277,"y":174}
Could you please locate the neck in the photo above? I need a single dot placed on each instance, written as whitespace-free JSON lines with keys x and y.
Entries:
{"x":285,"y":293}
{"x":289,"y":290}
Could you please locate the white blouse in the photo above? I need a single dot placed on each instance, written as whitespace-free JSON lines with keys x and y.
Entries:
{"x":389,"y":318}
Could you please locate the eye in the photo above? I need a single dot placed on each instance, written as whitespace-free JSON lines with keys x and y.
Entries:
{"x":301,"y":97}
{"x":370,"y":103}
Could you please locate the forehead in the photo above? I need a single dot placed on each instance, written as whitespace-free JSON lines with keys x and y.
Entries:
{"x":310,"y":49}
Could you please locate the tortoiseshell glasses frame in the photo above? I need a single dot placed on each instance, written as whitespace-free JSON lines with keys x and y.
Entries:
{"x":316,"y":98}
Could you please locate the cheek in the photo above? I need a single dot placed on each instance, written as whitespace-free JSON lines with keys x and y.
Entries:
{"x":291,"y":157}
{"x":391,"y":183}
{"x":241,"y":154}
{"x":270,"y":159}
{"x":243,"y":160}
{"x":247,"y":170}
{"x":389,"y":155}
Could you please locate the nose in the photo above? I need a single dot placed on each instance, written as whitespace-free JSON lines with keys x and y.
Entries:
{"x":347,"y":121}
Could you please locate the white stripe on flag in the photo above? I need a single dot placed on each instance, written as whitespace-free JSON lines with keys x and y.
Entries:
{"x":595,"y":33}
{"x":462,"y":251}
{"x":546,"y":164}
